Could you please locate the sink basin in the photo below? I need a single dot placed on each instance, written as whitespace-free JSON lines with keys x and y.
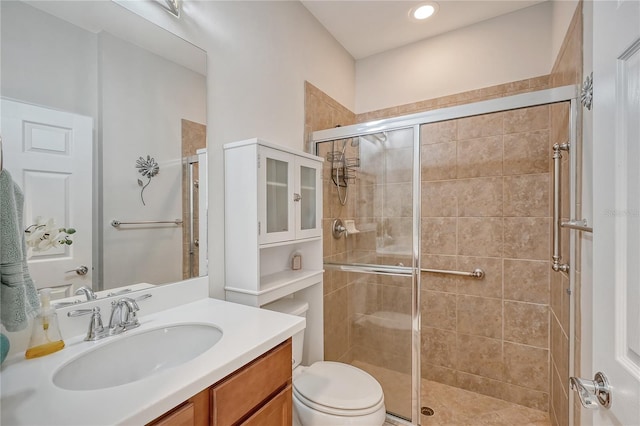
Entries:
{"x":127,"y":359}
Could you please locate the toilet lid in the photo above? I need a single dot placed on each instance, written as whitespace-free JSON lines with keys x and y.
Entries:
{"x":339,"y":386}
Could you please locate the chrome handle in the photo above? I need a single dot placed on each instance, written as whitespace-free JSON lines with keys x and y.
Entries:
{"x":144,"y":296}
{"x":80,"y":270}
{"x":578,"y":225}
{"x":96,"y":329}
{"x":196,"y":243}
{"x":297,"y":197}
{"x":592,"y":392}
{"x":557,"y":156}
{"x":338,"y":229}
{"x":80,"y":312}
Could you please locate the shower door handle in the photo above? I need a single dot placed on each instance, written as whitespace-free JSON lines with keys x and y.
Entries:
{"x":556,"y":257}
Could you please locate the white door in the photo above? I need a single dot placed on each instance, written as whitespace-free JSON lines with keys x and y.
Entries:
{"x":616,"y":201}
{"x":49,"y":155}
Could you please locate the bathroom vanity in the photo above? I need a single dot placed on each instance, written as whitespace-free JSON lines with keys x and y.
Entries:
{"x":242,"y":374}
{"x":257,"y":394}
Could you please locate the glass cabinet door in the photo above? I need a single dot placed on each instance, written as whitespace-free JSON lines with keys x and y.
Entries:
{"x":309,"y":197}
{"x":277,"y":195}
{"x":277,"y":183}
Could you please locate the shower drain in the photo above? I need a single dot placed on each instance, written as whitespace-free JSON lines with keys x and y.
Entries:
{"x":427,"y":411}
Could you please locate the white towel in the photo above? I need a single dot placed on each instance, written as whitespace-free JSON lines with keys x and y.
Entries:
{"x":18,"y":296}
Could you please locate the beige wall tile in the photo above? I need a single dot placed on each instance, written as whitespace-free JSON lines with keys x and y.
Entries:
{"x":479,"y":197}
{"x":336,"y":324}
{"x":481,"y":356}
{"x":527,"y":195}
{"x":490,"y":285}
{"x":480,"y":126}
{"x":526,"y":365}
{"x":480,"y":236}
{"x":526,"y":153}
{"x":439,"y":347}
{"x":434,"y":133}
{"x":439,"y":199}
{"x":438,"y":235}
{"x":560,"y":352}
{"x":439,"y":161}
{"x":526,"y":119}
{"x":438,"y":310}
{"x":526,"y":323}
{"x":526,"y":396}
{"x":396,"y":299}
{"x":438,"y":374}
{"x":480,"y":384}
{"x":364,"y":297}
{"x":526,"y":280}
{"x":479,"y":316}
{"x":479,"y":157}
{"x":526,"y":238}
{"x":560,"y":401}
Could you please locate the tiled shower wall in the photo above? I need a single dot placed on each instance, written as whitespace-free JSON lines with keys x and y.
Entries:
{"x":486,"y":204}
{"x":566,"y":70}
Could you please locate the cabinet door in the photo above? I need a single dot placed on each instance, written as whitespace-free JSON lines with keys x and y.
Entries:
{"x":277,"y":412}
{"x":308,"y":198}
{"x":276,"y":208}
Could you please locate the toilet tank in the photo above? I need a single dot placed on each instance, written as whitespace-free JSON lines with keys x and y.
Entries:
{"x":292,"y":307}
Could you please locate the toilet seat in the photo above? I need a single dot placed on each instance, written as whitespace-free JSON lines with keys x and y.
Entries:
{"x":338,"y":389}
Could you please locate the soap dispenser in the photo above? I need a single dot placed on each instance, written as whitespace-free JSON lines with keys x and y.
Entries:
{"x":45,"y":335}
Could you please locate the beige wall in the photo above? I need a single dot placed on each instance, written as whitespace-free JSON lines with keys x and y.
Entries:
{"x":512,"y":47}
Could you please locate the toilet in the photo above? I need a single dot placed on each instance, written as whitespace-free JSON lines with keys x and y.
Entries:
{"x":330,"y":393}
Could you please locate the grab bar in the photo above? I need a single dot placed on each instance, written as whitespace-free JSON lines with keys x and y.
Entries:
{"x":116,"y":223}
{"x":476,"y":273}
{"x":556,"y":257}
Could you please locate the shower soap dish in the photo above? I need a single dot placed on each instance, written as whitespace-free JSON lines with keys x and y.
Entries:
{"x":350,"y":226}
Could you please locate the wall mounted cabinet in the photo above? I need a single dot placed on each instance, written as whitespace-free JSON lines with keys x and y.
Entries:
{"x":273,"y":212}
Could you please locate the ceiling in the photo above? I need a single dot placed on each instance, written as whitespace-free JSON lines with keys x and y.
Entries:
{"x":367,"y":27}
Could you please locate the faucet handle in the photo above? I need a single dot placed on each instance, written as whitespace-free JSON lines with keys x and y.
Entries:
{"x":96,"y":329}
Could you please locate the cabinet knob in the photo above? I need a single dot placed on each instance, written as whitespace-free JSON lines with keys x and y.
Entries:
{"x":297,"y":197}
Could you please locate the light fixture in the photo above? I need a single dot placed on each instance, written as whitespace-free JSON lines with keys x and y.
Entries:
{"x":423,"y":11}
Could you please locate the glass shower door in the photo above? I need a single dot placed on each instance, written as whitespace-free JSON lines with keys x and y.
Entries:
{"x":369,"y":186}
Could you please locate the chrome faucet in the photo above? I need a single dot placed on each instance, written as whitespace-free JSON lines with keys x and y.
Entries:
{"x":123,"y":315}
{"x":123,"y":318}
{"x":88,"y":293}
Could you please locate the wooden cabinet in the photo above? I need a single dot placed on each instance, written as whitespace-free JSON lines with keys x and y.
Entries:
{"x":257,"y":394}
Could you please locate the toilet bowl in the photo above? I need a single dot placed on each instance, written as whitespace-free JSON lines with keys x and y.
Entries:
{"x":330,"y":393}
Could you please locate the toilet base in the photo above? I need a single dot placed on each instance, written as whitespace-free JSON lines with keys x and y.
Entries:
{"x":305,"y":416}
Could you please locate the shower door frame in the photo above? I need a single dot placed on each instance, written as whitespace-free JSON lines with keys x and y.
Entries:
{"x":415,"y":121}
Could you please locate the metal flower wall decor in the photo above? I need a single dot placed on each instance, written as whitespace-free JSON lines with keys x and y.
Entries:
{"x":147,"y":168}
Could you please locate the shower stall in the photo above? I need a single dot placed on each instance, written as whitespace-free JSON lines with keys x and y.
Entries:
{"x":437,"y":257}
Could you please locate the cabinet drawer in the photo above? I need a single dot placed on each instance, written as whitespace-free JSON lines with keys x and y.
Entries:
{"x":276,"y":412}
{"x":183,"y":416}
{"x":245,"y":390}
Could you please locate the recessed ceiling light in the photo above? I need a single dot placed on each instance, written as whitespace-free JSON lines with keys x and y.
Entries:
{"x":423,"y":11}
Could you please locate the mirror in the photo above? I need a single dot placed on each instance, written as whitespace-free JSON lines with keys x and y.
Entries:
{"x":115,"y":134}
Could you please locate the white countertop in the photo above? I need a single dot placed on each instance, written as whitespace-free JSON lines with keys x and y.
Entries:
{"x":29,"y":397}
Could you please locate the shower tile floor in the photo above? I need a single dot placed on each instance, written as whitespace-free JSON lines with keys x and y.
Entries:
{"x":452,"y":406}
